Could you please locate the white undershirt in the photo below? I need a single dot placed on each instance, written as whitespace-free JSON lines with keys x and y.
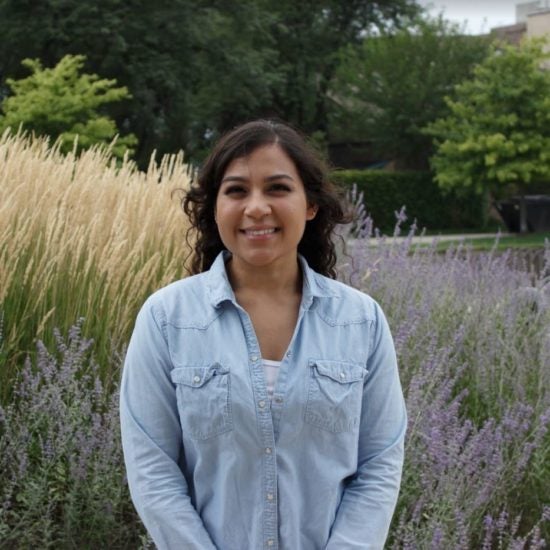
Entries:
{"x":271,"y":372}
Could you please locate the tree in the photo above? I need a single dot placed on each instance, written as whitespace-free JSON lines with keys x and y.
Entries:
{"x":63,"y":104}
{"x":196,"y":68}
{"x":276,"y":58}
{"x":309,"y":36}
{"x":392,"y":85}
{"x":498,"y":128}
{"x":146,"y":46}
{"x":237,"y":72}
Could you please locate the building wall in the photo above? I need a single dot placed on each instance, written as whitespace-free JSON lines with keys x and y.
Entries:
{"x":526,"y":8}
{"x":538,"y":24}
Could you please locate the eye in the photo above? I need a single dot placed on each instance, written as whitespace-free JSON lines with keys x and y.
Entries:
{"x":280,"y":188}
{"x":234,"y":190}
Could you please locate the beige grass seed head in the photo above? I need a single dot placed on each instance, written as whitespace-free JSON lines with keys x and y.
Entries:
{"x":85,"y":232}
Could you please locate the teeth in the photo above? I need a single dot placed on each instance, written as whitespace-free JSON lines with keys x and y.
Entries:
{"x":260,"y":231}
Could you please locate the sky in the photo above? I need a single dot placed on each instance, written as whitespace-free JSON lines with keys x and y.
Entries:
{"x":481,"y":15}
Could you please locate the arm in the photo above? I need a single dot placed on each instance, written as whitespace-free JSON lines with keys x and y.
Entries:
{"x":368,"y":502}
{"x":152,"y":441}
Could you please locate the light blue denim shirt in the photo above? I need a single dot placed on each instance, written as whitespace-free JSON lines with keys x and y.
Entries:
{"x":211,"y":463}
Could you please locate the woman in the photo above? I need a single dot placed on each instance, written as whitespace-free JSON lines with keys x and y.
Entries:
{"x":260,"y":403}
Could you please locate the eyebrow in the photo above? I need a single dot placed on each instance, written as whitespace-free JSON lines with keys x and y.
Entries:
{"x":274,"y":177}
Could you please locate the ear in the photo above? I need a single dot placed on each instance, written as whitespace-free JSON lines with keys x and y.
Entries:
{"x":311,"y":211}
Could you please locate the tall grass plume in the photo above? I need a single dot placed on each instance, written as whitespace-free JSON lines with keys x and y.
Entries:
{"x":82,"y":237}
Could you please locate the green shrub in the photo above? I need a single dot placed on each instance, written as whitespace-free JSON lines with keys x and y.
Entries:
{"x":386,"y":192}
{"x":64,"y":104}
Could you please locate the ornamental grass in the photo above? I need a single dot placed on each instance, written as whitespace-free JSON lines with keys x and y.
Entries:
{"x":82,"y":236}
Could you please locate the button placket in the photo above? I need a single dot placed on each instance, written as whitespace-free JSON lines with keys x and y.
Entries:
{"x":270,"y":486}
{"x":266,"y":435}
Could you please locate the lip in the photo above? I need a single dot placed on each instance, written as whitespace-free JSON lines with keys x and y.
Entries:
{"x":259,"y":232}
{"x":259,"y":228}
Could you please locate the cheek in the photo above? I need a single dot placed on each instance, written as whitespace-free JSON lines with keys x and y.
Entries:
{"x":224,"y":215}
{"x":218,"y":210}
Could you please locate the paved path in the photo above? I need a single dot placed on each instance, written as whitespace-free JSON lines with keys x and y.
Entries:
{"x":467,"y":236}
{"x":428,"y":239}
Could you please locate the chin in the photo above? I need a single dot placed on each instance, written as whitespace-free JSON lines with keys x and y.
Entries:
{"x":259,"y":259}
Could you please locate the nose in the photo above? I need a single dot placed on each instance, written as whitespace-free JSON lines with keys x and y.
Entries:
{"x":257,"y":206}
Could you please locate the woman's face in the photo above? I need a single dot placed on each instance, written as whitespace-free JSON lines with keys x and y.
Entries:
{"x":262,"y":209}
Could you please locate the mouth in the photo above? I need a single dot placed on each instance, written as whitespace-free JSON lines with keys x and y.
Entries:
{"x":259,"y":232}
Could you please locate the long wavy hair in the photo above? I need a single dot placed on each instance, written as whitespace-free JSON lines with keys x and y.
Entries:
{"x":199,"y":201}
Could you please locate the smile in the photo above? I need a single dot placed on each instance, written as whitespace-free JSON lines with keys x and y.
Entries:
{"x":259,"y":232}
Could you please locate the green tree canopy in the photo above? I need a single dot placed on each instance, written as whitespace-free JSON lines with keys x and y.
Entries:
{"x":277,"y":58}
{"x":309,"y":36}
{"x":145,"y":46}
{"x":64,"y":104}
{"x":392,"y":85}
{"x":196,"y":68}
{"x":498,"y":129}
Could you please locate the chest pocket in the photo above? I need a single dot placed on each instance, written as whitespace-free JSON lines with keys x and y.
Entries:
{"x":335,"y":391}
{"x":203,"y":395}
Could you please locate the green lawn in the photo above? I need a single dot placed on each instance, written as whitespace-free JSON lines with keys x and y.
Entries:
{"x":528,"y":241}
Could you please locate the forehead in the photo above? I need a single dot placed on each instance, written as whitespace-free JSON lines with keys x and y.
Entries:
{"x":263,"y":160}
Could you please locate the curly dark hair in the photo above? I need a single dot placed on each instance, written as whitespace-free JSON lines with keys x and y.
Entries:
{"x":199,"y":201}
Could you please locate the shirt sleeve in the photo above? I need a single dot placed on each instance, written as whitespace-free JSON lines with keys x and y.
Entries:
{"x":368,"y":502}
{"x":152,"y":441}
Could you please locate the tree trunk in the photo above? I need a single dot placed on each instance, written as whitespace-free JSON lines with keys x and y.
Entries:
{"x":485,"y":202}
{"x":523,"y":214}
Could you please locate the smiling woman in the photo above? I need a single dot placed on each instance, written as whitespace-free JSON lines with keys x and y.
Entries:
{"x":261,"y":405}
{"x":200,"y":202}
{"x":262,"y":210}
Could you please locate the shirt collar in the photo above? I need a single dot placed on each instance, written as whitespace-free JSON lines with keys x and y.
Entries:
{"x":219,"y":288}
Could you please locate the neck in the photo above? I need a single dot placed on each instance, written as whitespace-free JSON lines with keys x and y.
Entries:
{"x":285,"y":279}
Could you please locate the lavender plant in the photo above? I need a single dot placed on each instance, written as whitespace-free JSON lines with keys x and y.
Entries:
{"x":62,"y":483}
{"x":472,"y":334}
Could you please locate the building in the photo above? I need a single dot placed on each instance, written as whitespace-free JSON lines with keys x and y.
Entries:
{"x":525,"y":9}
{"x":532,"y":20}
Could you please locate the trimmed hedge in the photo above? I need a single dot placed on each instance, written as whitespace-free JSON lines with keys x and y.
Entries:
{"x":386,"y":192}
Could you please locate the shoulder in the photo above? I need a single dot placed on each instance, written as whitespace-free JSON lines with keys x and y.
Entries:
{"x":183,"y":303}
{"x":343,"y":304}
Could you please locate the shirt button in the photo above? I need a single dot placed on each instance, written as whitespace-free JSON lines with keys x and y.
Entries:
{"x":197,"y":379}
{"x":261,"y":404}
{"x":270,"y":542}
{"x":269,"y":496}
{"x":288,"y":353}
{"x":253,"y":358}
{"x":268,"y":450}
{"x":342,"y":375}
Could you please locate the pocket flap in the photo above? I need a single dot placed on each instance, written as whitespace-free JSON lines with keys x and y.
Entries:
{"x":339,"y":371}
{"x":196,"y":376}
